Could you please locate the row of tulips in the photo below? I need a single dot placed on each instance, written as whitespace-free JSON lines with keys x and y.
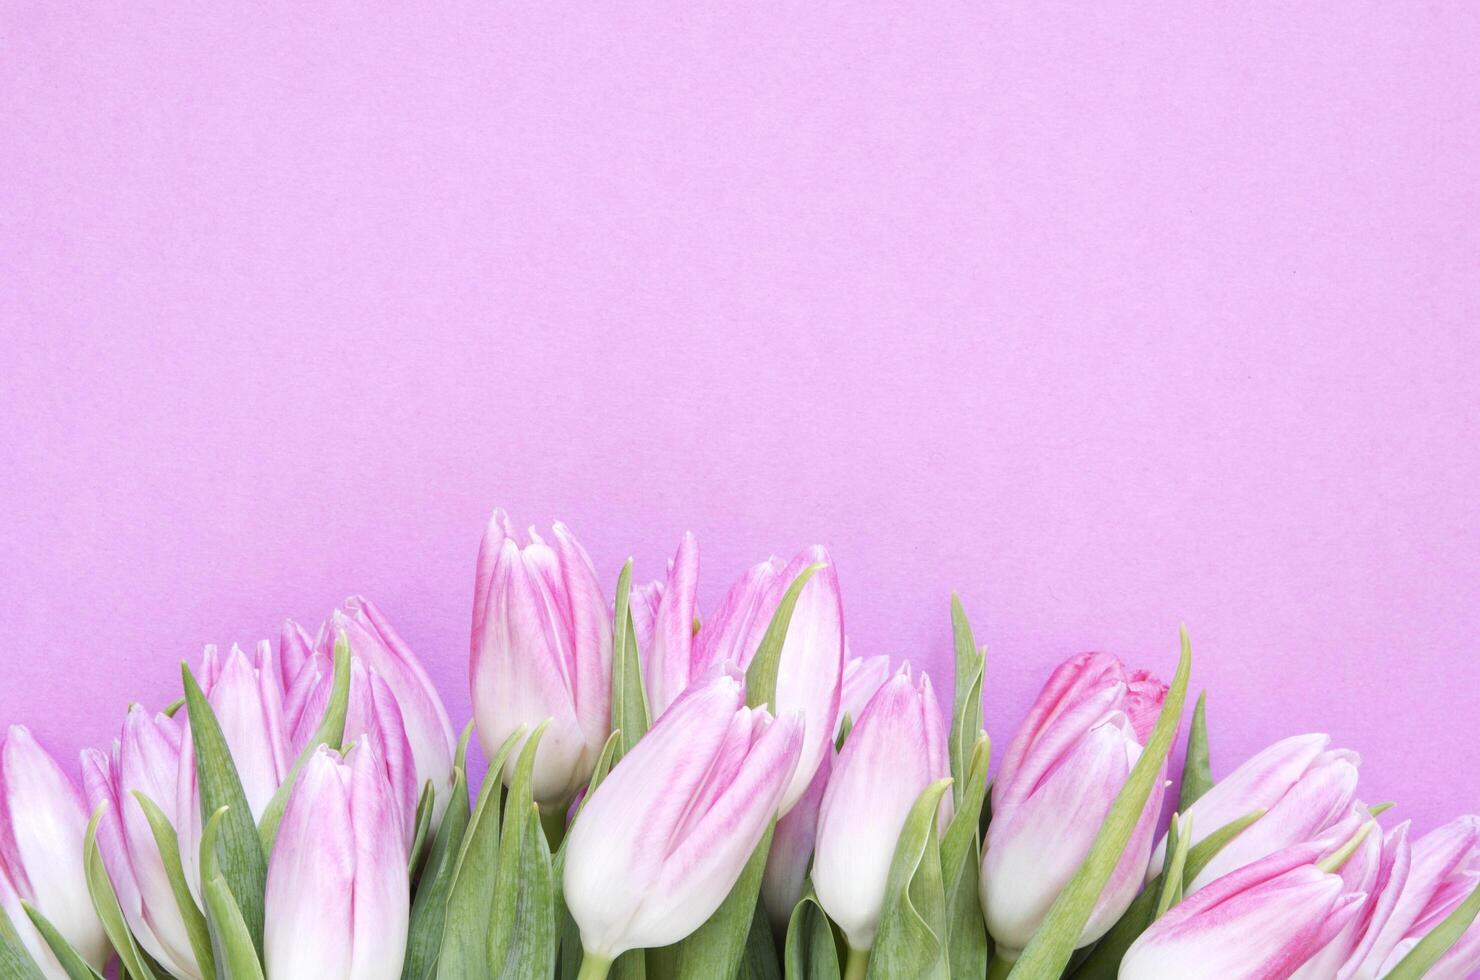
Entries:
{"x":679,"y":795}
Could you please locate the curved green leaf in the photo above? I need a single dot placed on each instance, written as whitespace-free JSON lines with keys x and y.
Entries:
{"x":1197,"y":771}
{"x":105,"y":903}
{"x":522,"y":929}
{"x":72,"y":964}
{"x":811,"y":953}
{"x":425,"y":803}
{"x":912,"y":928}
{"x":960,"y":862}
{"x":243,"y":861}
{"x":429,"y":908}
{"x":630,"y":713}
{"x":16,"y":962}
{"x":169,"y":852}
{"x":330,"y":732}
{"x":1052,"y":946}
{"x":966,"y":718}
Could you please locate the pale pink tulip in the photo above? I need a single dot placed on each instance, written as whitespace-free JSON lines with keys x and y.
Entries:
{"x":896,"y":749}
{"x":1262,"y":922}
{"x":542,"y":648}
{"x":644,"y":603}
{"x":1061,"y":773}
{"x":338,"y":892}
{"x":146,"y":760}
{"x":809,"y":677}
{"x":1305,"y":787}
{"x":42,"y":824}
{"x":663,"y":839}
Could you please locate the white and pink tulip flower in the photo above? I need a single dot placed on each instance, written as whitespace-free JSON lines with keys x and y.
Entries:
{"x":374,"y":642}
{"x":1424,"y":880}
{"x":374,"y":715}
{"x":896,"y":749}
{"x":338,"y":864}
{"x":1261,"y":922}
{"x":661,"y":842}
{"x":809,"y":677}
{"x":644,"y":602}
{"x":1364,"y":872}
{"x":1305,"y":786}
{"x":145,"y":759}
{"x":796,"y":833}
{"x":1062,"y":771}
{"x":43,"y":821}
{"x":541,"y":648}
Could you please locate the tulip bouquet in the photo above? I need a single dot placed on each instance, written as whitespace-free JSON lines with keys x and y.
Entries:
{"x":679,"y":796}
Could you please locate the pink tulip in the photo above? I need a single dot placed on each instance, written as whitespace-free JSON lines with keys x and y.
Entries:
{"x":663,"y":839}
{"x":145,"y":759}
{"x":811,"y":668}
{"x":376,"y":644}
{"x":1362,"y":873}
{"x":542,"y":648}
{"x":1262,"y":922}
{"x":43,"y":821}
{"x":338,"y":892}
{"x":1305,"y":786}
{"x":1061,"y":773}
{"x":896,"y":749}
{"x":1427,"y":879}
{"x":796,"y":833}
{"x":644,"y":603}
{"x":374,"y":716}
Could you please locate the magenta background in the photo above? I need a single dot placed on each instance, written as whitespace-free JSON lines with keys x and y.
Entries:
{"x":1109,"y":319}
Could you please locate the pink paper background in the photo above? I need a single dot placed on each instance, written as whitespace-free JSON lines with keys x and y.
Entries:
{"x":1108,"y":318}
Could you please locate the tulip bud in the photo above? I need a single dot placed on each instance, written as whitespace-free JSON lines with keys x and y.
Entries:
{"x":338,"y":892}
{"x":1428,"y":878}
{"x":43,"y":821}
{"x":145,"y":760}
{"x":424,"y":719}
{"x":661,"y":842}
{"x":542,"y":648}
{"x":1361,"y":874}
{"x":811,"y":665}
{"x":374,"y":716}
{"x":796,"y":833}
{"x":1306,"y":787}
{"x":1262,"y":921}
{"x":896,"y":749}
{"x":1062,"y":771}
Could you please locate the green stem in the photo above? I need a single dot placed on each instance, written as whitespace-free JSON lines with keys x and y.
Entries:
{"x":1000,"y":966}
{"x":553,"y":822}
{"x":594,"y":967}
{"x":857,"y":964}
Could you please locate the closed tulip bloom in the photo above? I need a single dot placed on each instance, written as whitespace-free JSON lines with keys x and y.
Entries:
{"x":809,"y":677}
{"x":1305,"y":786}
{"x":374,"y":642}
{"x":663,"y":839}
{"x":1262,"y":922}
{"x":145,"y":760}
{"x":1062,"y":771}
{"x":896,"y":749}
{"x":1363,"y":873}
{"x":542,"y":648}
{"x":338,"y":892}
{"x":43,"y":821}
{"x":374,"y":715}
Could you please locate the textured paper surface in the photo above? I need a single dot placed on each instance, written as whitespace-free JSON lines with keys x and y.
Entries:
{"x":1108,"y":318}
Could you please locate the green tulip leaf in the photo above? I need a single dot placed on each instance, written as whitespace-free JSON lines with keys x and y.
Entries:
{"x":1432,"y":947}
{"x":465,"y":936}
{"x":429,"y":907}
{"x":630,"y":713}
{"x":912,"y":928}
{"x":105,"y":903}
{"x":168,"y":844}
{"x":16,"y":962}
{"x":425,"y":804}
{"x":961,"y":862}
{"x":1103,"y":963}
{"x":760,"y":676}
{"x":1053,"y":945}
{"x":760,"y":961}
{"x":966,"y":718}
{"x":1197,"y":771}
{"x":811,"y":953}
{"x":330,"y":732}
{"x":522,"y":931}
{"x":243,"y":860}
{"x":73,"y":965}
